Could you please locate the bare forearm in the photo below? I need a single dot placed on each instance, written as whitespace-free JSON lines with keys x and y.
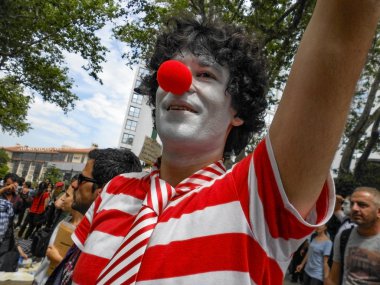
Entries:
{"x":326,"y":270}
{"x":333,"y":277}
{"x":317,"y":96}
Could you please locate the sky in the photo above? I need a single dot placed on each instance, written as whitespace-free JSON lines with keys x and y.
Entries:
{"x":98,"y":115}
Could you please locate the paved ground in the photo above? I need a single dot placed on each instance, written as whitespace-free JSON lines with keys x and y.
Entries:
{"x":287,"y":281}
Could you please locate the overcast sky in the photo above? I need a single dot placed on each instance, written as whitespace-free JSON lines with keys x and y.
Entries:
{"x":98,"y":115}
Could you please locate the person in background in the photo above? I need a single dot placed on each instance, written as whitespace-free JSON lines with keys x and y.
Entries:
{"x":316,"y":258}
{"x":297,"y":258}
{"x":35,"y":217}
{"x":8,"y":251}
{"x":357,"y":261}
{"x":52,"y":253}
{"x":26,"y":201}
{"x":54,"y":213}
{"x":101,"y":167}
{"x":6,"y":206}
{"x":343,"y":213}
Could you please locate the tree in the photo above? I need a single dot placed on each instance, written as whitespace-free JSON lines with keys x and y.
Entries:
{"x":280,"y":25}
{"x":362,"y":131}
{"x":4,"y":159}
{"x":34,"y":34}
{"x":53,"y":174}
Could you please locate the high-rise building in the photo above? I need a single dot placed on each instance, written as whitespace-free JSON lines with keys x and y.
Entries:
{"x":138,"y":122}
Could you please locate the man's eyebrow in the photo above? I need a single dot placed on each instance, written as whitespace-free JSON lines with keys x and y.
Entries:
{"x":210,"y":62}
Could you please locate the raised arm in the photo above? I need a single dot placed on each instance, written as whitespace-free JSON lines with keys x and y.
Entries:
{"x":310,"y":119}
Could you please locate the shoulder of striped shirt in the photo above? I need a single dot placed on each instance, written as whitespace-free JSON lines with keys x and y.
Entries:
{"x":135,"y":174}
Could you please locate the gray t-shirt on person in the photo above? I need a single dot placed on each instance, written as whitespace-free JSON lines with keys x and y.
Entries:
{"x":361,"y":259}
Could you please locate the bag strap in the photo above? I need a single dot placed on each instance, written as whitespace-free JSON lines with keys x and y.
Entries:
{"x":344,"y":237}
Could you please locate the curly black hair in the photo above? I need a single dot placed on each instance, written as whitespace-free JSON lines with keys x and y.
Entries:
{"x":230,"y":46}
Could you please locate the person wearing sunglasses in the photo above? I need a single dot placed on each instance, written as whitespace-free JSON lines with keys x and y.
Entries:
{"x":101,"y":167}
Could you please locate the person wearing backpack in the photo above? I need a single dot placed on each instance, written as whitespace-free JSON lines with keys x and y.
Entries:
{"x":36,"y":216}
{"x":357,"y":250}
{"x":52,"y":253}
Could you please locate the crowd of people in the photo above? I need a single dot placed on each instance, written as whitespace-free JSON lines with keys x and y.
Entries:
{"x":25,"y":212}
{"x":189,"y":220}
{"x":347,"y":252}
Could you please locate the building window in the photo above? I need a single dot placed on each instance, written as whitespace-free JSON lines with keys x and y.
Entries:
{"x":131,"y":125}
{"x":69,"y":157}
{"x":127,"y":138}
{"x":29,"y":156}
{"x":137,"y":98}
{"x":43,"y":156}
{"x":142,"y":72}
{"x":134,"y":112}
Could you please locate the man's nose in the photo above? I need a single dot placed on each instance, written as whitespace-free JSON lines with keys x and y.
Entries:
{"x":354,"y":207}
{"x":192,"y":87}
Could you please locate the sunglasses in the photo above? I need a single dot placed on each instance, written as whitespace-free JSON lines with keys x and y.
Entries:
{"x":82,"y":179}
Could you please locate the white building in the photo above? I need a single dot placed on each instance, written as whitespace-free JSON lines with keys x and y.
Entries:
{"x":32,"y":163}
{"x":138,"y":121}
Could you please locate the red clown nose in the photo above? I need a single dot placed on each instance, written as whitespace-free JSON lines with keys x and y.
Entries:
{"x":175,"y":77}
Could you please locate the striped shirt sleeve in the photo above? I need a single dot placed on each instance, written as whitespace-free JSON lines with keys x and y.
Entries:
{"x":277,"y":225}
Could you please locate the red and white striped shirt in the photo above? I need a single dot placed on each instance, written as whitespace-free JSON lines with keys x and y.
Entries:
{"x":238,"y":228}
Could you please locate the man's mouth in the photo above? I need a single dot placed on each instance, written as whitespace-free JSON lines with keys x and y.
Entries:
{"x":180,"y":108}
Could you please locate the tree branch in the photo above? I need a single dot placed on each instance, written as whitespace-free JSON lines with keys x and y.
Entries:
{"x":360,"y":127}
{"x":373,"y":140}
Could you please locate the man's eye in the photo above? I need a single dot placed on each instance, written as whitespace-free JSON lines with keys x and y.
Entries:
{"x":205,"y":75}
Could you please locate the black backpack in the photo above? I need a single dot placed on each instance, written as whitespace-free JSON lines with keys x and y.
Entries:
{"x":8,"y":251}
{"x":40,"y":242}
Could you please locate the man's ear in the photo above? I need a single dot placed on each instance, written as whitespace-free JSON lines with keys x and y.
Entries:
{"x":97,"y":191}
{"x":236,"y":121}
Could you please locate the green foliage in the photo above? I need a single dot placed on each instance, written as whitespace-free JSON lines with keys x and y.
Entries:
{"x":370,"y":175}
{"x":279,"y":24}
{"x":346,"y":183}
{"x":13,"y":106}
{"x":53,"y":174}
{"x":4,"y":159}
{"x":34,"y":34}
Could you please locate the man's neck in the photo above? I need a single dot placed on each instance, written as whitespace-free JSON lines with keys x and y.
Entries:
{"x":369,"y":231}
{"x":77,"y":217}
{"x":175,"y":167}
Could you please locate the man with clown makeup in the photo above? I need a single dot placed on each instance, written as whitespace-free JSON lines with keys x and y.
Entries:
{"x":189,"y":221}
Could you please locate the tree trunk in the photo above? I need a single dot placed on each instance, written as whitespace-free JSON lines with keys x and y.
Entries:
{"x":373,"y":140}
{"x":359,"y":129}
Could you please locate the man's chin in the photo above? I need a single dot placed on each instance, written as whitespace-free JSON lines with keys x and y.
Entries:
{"x":79,"y":208}
{"x":357,"y":221}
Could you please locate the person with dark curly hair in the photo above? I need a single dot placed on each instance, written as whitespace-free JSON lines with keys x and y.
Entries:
{"x":189,"y":221}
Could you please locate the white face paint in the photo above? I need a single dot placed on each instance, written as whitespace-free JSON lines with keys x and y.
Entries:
{"x":202,"y":117}
{"x":346,"y":206}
